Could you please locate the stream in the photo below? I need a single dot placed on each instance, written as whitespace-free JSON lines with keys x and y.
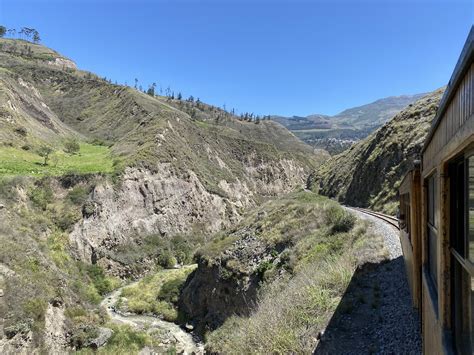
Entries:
{"x":185,"y":343}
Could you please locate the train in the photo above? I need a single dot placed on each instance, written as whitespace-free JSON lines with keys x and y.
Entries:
{"x":436,"y":218}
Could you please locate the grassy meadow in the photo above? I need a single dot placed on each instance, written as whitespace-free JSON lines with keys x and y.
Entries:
{"x":20,"y":162}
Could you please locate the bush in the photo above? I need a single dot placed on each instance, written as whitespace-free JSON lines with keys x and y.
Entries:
{"x":21,"y":131}
{"x":71,"y":146}
{"x":88,"y":209}
{"x":66,"y":218}
{"x":339,"y":220}
{"x":45,"y":153}
{"x":41,"y":196}
{"x":126,"y":340}
{"x":101,"y":282}
{"x":78,"y":195}
{"x":170,"y":290}
{"x":35,"y":308}
{"x":167,"y":260}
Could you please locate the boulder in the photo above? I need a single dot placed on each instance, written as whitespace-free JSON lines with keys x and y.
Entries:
{"x":103,"y":335}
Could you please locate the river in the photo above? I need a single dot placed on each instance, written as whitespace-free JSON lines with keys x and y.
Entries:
{"x":185,"y":343}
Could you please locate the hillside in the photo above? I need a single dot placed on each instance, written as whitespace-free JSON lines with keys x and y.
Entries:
{"x":268,"y":295}
{"x":149,"y":179}
{"x":337,"y":133}
{"x":369,"y":173}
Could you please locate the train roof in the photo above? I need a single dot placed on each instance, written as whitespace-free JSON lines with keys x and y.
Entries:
{"x":465,"y":60}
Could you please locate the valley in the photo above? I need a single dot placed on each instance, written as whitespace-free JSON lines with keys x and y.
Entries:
{"x":337,"y":133}
{"x":140,"y":223}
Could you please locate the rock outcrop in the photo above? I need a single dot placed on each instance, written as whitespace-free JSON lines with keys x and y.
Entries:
{"x":55,"y":328}
{"x":165,"y":203}
{"x":226,"y":285}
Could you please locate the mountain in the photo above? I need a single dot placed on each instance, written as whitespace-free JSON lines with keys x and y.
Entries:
{"x":369,"y":173}
{"x":375,"y":113}
{"x":100,"y":183}
{"x":296,"y":123}
{"x":337,"y":133}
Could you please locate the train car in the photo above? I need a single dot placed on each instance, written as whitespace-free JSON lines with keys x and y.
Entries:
{"x":410,"y":230}
{"x":438,"y":233}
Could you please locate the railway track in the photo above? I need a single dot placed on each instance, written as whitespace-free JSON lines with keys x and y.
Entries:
{"x":393,"y":221}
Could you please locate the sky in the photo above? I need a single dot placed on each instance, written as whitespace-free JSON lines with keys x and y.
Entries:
{"x":285,"y":57}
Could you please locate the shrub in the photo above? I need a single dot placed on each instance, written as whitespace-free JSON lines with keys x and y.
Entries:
{"x":338,"y":219}
{"x":41,"y":196}
{"x":66,"y":218}
{"x":126,"y":340}
{"x":88,"y":209}
{"x":170,"y":290}
{"x":35,"y":308}
{"x":21,"y":131}
{"x":166,"y":260}
{"x":78,"y":195}
{"x":45,"y":152}
{"x":101,"y":282}
{"x":71,"y":146}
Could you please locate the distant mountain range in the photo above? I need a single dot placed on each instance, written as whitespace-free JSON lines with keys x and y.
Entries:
{"x":337,"y":133}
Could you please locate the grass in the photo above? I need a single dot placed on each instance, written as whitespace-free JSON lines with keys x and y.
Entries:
{"x":90,"y":159}
{"x":35,"y":247}
{"x":305,"y":303}
{"x":323,"y":245}
{"x":156,"y":293}
{"x":125,"y":340}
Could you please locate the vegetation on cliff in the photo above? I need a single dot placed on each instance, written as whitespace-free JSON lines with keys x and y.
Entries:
{"x":273,"y":260}
{"x":369,"y":173}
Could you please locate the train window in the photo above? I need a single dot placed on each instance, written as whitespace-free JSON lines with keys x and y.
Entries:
{"x":432,"y":200}
{"x":461,"y":236}
{"x":470,"y":216}
{"x":432,"y":231}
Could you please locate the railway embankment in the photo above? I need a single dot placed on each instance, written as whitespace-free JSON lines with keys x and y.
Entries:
{"x":375,"y":314}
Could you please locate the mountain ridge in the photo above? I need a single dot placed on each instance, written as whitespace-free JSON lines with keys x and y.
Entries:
{"x":338,"y":132}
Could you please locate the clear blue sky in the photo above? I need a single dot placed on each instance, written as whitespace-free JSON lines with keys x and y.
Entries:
{"x":268,"y":57}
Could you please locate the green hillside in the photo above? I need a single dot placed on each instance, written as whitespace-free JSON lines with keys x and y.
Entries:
{"x":100,"y":181}
{"x":370,"y":172}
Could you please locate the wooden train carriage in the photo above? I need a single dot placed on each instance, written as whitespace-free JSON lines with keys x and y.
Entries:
{"x":447,"y":224}
{"x":410,"y":230}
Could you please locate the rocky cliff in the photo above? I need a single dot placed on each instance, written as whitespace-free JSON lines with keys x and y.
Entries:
{"x":273,"y":241}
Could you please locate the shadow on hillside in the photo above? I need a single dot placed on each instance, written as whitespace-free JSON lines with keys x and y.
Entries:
{"x":375,"y":314}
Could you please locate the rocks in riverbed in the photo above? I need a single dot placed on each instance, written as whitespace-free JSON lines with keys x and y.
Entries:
{"x":103,"y":335}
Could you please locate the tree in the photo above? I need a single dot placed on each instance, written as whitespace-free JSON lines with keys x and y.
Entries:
{"x":45,"y":152}
{"x":12,"y":32}
{"x":151,"y":90}
{"x":71,"y":146}
{"x":36,"y":37}
{"x":136,"y":83}
{"x":3,"y":30}
{"x":179,"y":97}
